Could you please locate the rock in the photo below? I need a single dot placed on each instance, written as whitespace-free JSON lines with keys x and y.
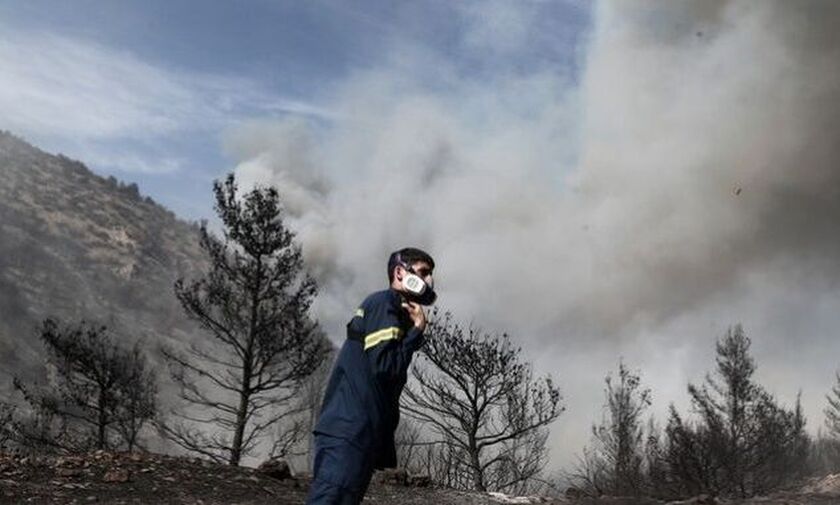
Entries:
{"x":574,"y":493}
{"x":626,"y":500}
{"x":392,"y":476}
{"x":503,"y":498}
{"x":830,"y":484}
{"x":419,"y":480}
{"x":68,"y":472}
{"x":702,"y":499}
{"x":276,"y":468}
{"x":69,"y":461}
{"x":116,"y":475}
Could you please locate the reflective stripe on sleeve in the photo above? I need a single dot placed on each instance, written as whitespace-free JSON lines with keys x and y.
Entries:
{"x":381,"y":336}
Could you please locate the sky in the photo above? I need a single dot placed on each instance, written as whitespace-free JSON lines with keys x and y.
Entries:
{"x":604,"y":181}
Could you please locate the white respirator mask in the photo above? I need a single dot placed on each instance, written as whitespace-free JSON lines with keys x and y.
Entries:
{"x":416,"y":287}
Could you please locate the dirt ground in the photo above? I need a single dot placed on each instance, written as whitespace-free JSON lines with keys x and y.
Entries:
{"x":116,"y":478}
{"x":121,"y":479}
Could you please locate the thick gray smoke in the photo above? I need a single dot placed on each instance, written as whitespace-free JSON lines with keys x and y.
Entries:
{"x":691,"y":180}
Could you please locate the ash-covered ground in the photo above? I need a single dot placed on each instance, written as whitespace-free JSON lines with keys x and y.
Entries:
{"x":120,"y":478}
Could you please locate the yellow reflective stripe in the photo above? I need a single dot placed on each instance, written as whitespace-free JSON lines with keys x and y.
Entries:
{"x":360,"y":312}
{"x":381,"y":336}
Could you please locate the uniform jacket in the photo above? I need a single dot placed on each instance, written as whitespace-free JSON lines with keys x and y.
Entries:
{"x":361,"y":402}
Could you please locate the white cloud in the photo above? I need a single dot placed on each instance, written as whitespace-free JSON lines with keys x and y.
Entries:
{"x":136,"y":164}
{"x":55,"y":85}
{"x":108,"y":106}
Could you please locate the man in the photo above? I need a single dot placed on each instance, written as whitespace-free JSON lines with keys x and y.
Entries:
{"x":355,"y":432}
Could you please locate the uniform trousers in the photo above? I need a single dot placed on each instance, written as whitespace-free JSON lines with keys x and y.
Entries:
{"x":341,"y":472}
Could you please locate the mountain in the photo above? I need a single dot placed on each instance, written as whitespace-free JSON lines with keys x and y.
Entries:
{"x":74,"y":245}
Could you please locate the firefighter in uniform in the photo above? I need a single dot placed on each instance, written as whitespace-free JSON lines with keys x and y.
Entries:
{"x":355,"y":430}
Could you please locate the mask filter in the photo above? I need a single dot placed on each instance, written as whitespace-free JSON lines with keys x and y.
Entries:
{"x":417,"y":289}
{"x":414,"y":284}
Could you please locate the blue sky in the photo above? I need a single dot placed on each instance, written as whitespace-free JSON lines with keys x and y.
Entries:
{"x":146,"y":91}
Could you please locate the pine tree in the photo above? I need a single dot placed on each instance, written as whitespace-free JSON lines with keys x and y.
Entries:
{"x":614,"y":464}
{"x":744,"y":443}
{"x":254,"y":302}
{"x":832,"y":411}
{"x":98,"y":396}
{"x":655,"y":468}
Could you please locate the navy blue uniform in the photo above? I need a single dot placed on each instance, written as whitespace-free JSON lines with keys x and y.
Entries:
{"x":355,"y":431}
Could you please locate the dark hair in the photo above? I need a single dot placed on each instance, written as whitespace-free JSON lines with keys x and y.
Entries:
{"x":407,"y":256}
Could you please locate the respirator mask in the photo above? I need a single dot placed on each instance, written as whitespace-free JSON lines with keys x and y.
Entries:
{"x":416,"y":289}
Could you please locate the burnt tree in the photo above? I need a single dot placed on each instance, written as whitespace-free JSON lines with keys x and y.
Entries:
{"x":98,"y":395}
{"x":484,"y":405}
{"x":614,"y":463}
{"x":254,"y":303}
{"x":832,"y":410}
{"x":743,"y":442}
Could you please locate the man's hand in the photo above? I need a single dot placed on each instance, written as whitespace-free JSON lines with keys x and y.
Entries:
{"x":415,"y":311}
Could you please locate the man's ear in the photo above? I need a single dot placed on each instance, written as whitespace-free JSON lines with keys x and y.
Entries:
{"x":399,"y":272}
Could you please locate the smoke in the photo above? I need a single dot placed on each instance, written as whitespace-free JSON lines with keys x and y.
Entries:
{"x":689,"y":180}
{"x":710,"y":132}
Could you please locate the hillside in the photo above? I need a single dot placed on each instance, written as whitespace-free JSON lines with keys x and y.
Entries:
{"x":76,"y":245}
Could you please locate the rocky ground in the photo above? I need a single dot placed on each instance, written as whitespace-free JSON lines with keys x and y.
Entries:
{"x":117,"y":478}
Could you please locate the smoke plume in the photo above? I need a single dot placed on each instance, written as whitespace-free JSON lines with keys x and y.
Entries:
{"x":690,"y":179}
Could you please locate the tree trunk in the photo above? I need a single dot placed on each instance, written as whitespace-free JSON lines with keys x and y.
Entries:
{"x":239,"y":433}
{"x":475,"y":463}
{"x":247,"y":371}
{"x":102,"y":421}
